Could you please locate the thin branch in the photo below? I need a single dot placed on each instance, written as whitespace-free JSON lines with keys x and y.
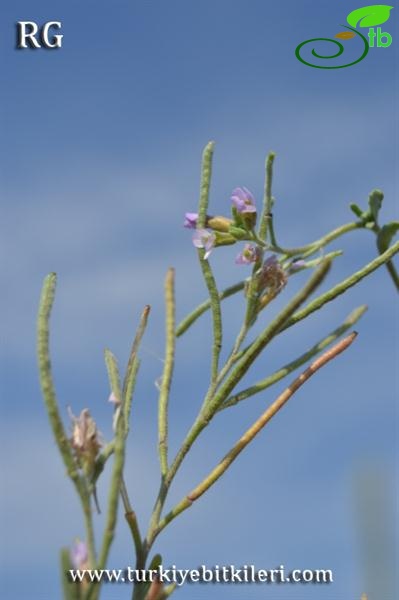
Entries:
{"x":47,"y":384}
{"x":167,"y":372}
{"x":309,"y":249}
{"x":250,"y":434}
{"x":238,"y":287}
{"x":206,"y":174}
{"x":132,"y":368}
{"x":298,"y":362}
{"x":113,"y":497}
{"x":266,"y":220}
{"x":268,"y":334}
{"x":202,"y":308}
{"x":262,"y":340}
{"x":50,"y":399}
{"x":340,"y":288}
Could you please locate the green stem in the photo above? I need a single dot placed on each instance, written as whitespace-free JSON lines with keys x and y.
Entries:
{"x":132,"y":522}
{"x":90,"y":541}
{"x":206,"y":415}
{"x":133,"y":365}
{"x":47,"y":385}
{"x":127,"y":393}
{"x":206,"y":174}
{"x":202,"y":308}
{"x":266,"y":220}
{"x":342,"y":287}
{"x":216,"y":314}
{"x":295,"y":364}
{"x":50,"y":399}
{"x":311,"y":248}
{"x":267,"y":335}
{"x":113,"y":497}
{"x":167,"y":372}
{"x":253,"y":431}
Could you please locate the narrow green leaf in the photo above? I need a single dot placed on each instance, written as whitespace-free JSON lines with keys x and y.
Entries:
{"x":386,"y":234}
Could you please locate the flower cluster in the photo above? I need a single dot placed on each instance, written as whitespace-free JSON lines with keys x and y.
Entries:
{"x":221,"y":231}
{"x":270,"y":277}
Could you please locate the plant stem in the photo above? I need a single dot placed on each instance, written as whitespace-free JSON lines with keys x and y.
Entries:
{"x":250,"y":434}
{"x":295,"y":364}
{"x":340,"y":288}
{"x":311,"y":248}
{"x":50,"y":399}
{"x":113,"y":497}
{"x":167,"y":372}
{"x":206,"y":174}
{"x":266,"y":219}
{"x":206,"y":415}
{"x":202,"y":308}
{"x":88,"y":520}
{"x":133,"y":366}
{"x":131,"y":520}
{"x":47,"y":385}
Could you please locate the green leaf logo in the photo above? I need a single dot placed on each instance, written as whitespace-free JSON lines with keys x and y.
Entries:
{"x":369,"y":16}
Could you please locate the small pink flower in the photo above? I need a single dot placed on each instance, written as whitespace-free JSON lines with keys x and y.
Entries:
{"x":248,"y":255}
{"x":190,"y":220}
{"x":243,"y":200}
{"x":204,"y":239}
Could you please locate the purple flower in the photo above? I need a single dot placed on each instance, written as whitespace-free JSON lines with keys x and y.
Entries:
{"x":78,"y":554}
{"x":190,"y":220}
{"x":243,"y":200}
{"x":204,"y":239}
{"x":248,"y":255}
{"x":296,"y":265}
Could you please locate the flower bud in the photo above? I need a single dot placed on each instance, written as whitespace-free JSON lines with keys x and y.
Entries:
{"x":244,"y":204}
{"x":85,"y":440}
{"x":219,"y":223}
{"x":250,"y":254}
{"x":79,"y":555}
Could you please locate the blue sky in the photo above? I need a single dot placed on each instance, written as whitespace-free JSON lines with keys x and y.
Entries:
{"x":100,"y":149}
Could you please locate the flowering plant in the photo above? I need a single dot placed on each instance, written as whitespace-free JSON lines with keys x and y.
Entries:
{"x":85,"y":454}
